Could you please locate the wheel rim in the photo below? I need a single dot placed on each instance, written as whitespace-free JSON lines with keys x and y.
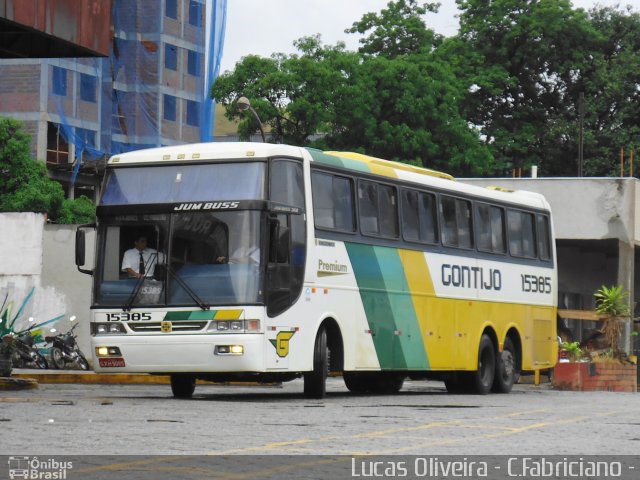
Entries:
{"x":508,"y":365}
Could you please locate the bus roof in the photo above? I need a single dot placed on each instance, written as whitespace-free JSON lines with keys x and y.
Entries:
{"x":205,"y":151}
{"x":376,"y":166}
{"x":355,"y":162}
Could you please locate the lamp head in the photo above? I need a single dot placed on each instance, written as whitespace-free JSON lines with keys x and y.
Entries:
{"x":243,"y":103}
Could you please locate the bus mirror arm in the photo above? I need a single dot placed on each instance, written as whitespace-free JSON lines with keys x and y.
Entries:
{"x":81,"y":247}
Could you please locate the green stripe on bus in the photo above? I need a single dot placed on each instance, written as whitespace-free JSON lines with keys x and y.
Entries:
{"x":190,"y":315}
{"x":377,"y":305}
{"x":402,"y":304}
{"x":340,"y":162}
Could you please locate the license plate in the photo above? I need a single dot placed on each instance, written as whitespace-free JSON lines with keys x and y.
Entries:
{"x":111,"y":362}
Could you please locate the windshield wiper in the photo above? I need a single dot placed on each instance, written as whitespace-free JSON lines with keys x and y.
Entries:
{"x":187,"y":288}
{"x":136,"y":289}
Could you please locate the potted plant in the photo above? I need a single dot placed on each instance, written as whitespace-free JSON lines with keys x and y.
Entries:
{"x":7,"y":349}
{"x":613,"y":304}
{"x":599,"y":363}
{"x":573,"y":352}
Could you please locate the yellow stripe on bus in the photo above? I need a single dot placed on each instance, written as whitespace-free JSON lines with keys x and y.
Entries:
{"x":228,"y":314}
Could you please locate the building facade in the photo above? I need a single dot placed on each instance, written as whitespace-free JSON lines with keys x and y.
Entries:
{"x":149,"y":92}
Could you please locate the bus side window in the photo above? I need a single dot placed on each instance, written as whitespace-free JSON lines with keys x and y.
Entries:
{"x":522,"y":242}
{"x":368,"y":201}
{"x":490,"y":228}
{"x":544,"y":245}
{"x":457,"y":228}
{"x":332,"y":202}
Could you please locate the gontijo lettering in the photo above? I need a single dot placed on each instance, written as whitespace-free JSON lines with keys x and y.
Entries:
{"x":464,"y":276}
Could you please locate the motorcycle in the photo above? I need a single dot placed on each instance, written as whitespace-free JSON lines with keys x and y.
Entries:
{"x":65,"y":350}
{"x":26,"y":351}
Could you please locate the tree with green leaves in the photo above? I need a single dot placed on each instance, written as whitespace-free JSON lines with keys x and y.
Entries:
{"x":292,"y":95}
{"x":25,"y":186}
{"x":392,"y":99}
{"x":527,"y":61}
{"x":397,"y":30}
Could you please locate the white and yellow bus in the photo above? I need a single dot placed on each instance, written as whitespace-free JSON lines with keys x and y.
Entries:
{"x":269,"y":262}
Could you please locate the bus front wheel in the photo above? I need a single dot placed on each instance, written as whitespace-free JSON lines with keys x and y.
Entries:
{"x":315,"y":382}
{"x":183,"y":386}
{"x":482,"y":378}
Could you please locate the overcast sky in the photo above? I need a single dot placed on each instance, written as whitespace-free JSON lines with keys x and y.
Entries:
{"x":263,"y":27}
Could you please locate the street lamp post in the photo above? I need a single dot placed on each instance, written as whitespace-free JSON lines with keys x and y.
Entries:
{"x":245,"y":104}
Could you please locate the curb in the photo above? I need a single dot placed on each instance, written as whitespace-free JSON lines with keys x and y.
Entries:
{"x":95,"y":378}
{"x":11,"y":383}
{"x":92,"y":378}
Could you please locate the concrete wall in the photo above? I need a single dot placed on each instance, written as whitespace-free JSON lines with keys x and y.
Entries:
{"x":59,"y":270}
{"x":38,"y":276}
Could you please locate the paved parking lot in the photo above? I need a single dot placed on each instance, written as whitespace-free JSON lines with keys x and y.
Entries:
{"x":422,"y":419}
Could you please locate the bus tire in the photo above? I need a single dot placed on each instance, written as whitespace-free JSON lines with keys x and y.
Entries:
{"x":481,"y":380}
{"x":506,"y":368}
{"x":315,"y":381}
{"x":183,"y":386}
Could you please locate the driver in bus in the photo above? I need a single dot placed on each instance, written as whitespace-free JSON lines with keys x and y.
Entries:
{"x":141,"y":260}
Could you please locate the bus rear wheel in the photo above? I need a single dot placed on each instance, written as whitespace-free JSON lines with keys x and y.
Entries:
{"x":183,"y":386}
{"x":506,"y":368}
{"x":315,"y":381}
{"x":481,"y":380}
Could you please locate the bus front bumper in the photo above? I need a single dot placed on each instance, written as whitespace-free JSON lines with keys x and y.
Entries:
{"x":178,"y":353}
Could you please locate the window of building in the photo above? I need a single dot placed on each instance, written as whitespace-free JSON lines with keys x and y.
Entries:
{"x":456,"y":222}
{"x":522,"y":237}
{"x":332,"y":202}
{"x":57,"y":146}
{"x":195,"y":13}
{"x":171,"y":8}
{"x":490,"y":233}
{"x":88,"y":88}
{"x":378,"y":209}
{"x":86,"y":137}
{"x":170,"y":56}
{"x":419,"y":222}
{"x":193,"y":113}
{"x":169,"y":108}
{"x":118,"y":123}
{"x":193,"y":63}
{"x":59,"y":81}
{"x":544,"y":237}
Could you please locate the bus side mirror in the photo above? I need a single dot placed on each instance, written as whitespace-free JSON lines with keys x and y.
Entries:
{"x":81,"y":248}
{"x":274,"y":239}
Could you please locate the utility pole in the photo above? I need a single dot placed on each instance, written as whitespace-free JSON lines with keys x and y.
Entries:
{"x":580,"y":134}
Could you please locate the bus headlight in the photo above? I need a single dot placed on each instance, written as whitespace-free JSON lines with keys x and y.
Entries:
{"x":110,"y":328}
{"x":108,"y":352}
{"x":235,"y":326}
{"x":229,"y":350}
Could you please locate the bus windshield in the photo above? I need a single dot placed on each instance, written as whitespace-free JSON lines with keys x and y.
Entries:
{"x":187,"y":259}
{"x":184,"y":183}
